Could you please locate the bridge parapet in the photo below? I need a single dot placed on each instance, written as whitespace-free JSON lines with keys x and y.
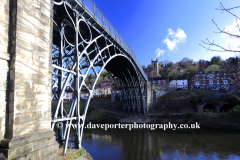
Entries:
{"x":98,"y":15}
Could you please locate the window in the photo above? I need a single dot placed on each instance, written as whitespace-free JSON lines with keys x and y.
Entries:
{"x":225,"y":81}
{"x":224,"y":77}
{"x":217,"y":77}
{"x":217,"y":81}
{"x":204,"y":78}
{"x":196,"y":78}
{"x":217,"y":74}
{"x":159,"y":81}
{"x":154,"y":82}
{"x":196,"y":75}
{"x":203,"y":82}
{"x":163,"y":81}
{"x":210,"y":82}
{"x":197,"y":83}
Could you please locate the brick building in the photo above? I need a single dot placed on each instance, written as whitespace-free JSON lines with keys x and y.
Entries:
{"x":159,"y":81}
{"x":215,"y":81}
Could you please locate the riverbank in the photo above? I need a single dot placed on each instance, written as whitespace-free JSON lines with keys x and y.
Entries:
{"x":102,"y":110}
{"x":75,"y":154}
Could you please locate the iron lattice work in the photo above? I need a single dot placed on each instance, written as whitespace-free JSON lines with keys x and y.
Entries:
{"x":81,"y":46}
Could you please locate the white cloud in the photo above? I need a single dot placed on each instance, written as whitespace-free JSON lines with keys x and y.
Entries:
{"x":171,"y":44}
{"x":170,"y":32}
{"x":173,"y":39}
{"x":231,"y":41}
{"x":233,"y":29}
{"x":226,"y":55}
{"x":159,"y":52}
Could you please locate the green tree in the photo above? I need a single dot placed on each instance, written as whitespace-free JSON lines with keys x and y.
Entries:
{"x":191,"y":71}
{"x":212,"y":68}
{"x":215,"y":60}
{"x":202,"y":64}
{"x":90,"y":77}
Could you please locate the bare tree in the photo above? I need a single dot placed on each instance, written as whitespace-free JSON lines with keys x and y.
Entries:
{"x":213,"y":46}
{"x":219,"y":47}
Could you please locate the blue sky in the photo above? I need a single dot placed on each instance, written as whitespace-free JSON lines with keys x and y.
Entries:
{"x":171,"y":30}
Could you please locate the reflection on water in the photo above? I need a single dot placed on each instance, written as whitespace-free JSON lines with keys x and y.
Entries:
{"x":154,"y":145}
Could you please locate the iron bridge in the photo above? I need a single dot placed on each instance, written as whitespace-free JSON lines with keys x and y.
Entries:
{"x":84,"y":42}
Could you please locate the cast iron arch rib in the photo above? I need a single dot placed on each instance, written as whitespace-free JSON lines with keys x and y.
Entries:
{"x":81,"y":45}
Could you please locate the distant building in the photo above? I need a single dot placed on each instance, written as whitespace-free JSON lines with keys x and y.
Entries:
{"x":104,"y":90}
{"x":179,"y":83}
{"x":159,"y":81}
{"x":106,"y":82}
{"x":68,"y":96}
{"x":154,"y":72}
{"x":95,"y":92}
{"x":215,"y":81}
{"x":84,"y":95}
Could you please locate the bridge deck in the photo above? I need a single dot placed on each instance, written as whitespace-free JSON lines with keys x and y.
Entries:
{"x":98,"y":20}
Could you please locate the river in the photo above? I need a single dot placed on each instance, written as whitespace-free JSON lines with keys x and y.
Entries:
{"x":162,"y":145}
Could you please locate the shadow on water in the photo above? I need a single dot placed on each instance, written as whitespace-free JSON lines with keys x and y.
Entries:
{"x":146,"y":144}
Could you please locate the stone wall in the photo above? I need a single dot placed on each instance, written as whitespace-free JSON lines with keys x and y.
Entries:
{"x":4,"y":59}
{"x":27,"y":109}
{"x":30,"y":71}
{"x":149,"y":95}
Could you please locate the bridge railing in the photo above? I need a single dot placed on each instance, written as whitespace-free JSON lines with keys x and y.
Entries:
{"x":102,"y":20}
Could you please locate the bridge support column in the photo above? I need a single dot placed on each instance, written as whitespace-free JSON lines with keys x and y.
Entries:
{"x":149,"y":95}
{"x":25,"y":88}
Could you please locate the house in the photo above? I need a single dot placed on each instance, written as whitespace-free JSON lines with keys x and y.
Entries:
{"x":84,"y":95}
{"x":159,"y":81}
{"x":104,"y":90}
{"x":68,"y":96}
{"x":106,"y":82}
{"x":95,"y":93}
{"x":214,"y":81}
{"x":179,"y":83}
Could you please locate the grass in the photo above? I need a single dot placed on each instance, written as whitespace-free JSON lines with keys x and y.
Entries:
{"x":187,"y":94}
{"x":235,"y":109}
{"x":75,"y":155}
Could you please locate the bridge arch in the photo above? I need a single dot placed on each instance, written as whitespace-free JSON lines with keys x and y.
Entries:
{"x":80,"y":47}
{"x":209,"y":107}
{"x":226,"y":107}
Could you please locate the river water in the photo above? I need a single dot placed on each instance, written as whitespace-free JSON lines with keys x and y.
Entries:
{"x":162,"y":145}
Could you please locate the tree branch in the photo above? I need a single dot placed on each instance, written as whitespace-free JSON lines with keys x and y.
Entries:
{"x":216,"y":45}
{"x":222,"y":31}
{"x":228,"y":9}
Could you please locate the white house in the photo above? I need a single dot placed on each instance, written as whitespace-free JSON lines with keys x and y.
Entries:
{"x":95,"y":93}
{"x":179,"y":83}
{"x":67,"y":97}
